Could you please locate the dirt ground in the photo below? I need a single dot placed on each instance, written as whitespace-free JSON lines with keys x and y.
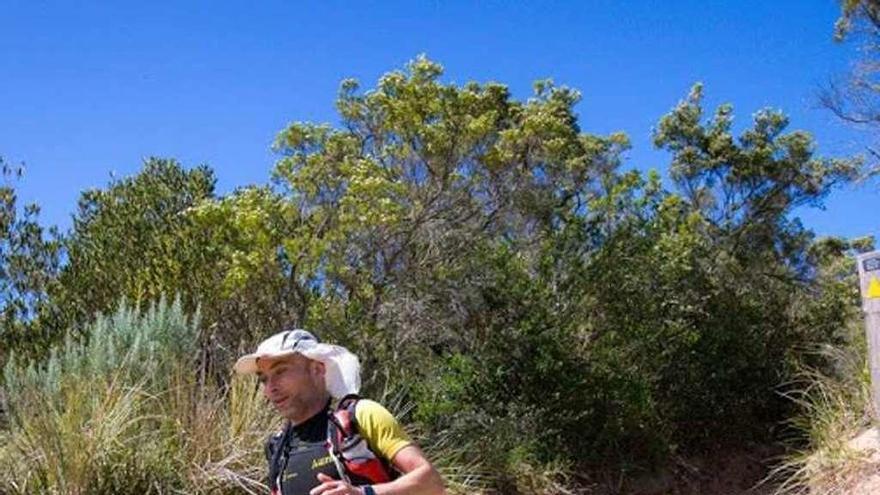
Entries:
{"x":724,"y":472}
{"x":738,"y":473}
{"x":864,"y":477}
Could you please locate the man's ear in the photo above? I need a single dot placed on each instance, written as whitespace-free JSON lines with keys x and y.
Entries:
{"x":319,"y":368}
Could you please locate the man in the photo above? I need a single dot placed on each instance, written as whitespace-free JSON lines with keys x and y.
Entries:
{"x":317,"y":453}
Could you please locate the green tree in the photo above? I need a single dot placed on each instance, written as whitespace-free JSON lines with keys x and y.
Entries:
{"x":133,"y":241}
{"x":29,"y":264}
{"x":746,"y":188}
{"x":857,"y":15}
{"x":739,"y":261}
{"x":252,"y":285}
{"x":854,"y":96}
{"x":486,"y":247}
{"x":393,"y":205}
{"x":163,"y":232}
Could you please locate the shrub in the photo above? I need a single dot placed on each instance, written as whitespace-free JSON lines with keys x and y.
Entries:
{"x":124,"y":411}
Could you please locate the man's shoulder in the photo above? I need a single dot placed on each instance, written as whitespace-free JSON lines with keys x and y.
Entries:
{"x":381,"y":429}
{"x":369,"y":409}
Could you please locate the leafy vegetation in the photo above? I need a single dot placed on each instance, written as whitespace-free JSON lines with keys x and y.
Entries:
{"x":540,"y":313}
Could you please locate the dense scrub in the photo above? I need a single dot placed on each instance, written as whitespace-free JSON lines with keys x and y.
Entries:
{"x":535,"y":311}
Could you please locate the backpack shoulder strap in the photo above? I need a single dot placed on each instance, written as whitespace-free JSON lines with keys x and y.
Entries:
{"x":341,"y":426}
{"x":278,"y":451}
{"x":343,"y":422}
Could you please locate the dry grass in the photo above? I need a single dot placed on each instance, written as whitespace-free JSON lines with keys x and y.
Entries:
{"x":834,"y":408}
{"x":125,"y":413}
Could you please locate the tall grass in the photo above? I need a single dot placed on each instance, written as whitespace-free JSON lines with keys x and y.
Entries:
{"x":123,"y":411}
{"x":834,"y":406}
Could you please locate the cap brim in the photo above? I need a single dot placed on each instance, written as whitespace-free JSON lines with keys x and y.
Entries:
{"x":247,"y":364}
{"x":342,"y":366}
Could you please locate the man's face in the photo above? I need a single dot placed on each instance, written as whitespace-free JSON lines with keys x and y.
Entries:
{"x":293,"y":384}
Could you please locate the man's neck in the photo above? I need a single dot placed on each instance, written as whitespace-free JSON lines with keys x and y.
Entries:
{"x":309,"y":412}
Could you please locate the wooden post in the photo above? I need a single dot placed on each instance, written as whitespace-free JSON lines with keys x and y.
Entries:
{"x":869,"y":280}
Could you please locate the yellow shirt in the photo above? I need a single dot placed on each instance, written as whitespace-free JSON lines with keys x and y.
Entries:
{"x":380,"y":429}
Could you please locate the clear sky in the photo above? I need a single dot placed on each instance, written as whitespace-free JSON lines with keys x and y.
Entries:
{"x":88,"y":89}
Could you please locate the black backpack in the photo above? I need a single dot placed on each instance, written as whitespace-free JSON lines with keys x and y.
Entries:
{"x":356,"y":462}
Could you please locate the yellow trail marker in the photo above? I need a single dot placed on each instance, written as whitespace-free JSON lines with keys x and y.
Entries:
{"x":874,"y":288}
{"x":869,"y":270}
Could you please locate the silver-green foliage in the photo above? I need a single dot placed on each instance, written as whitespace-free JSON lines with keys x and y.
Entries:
{"x":123,"y":411}
{"x":130,"y":344}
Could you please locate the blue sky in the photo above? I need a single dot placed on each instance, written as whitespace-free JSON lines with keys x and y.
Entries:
{"x":90,"y":89}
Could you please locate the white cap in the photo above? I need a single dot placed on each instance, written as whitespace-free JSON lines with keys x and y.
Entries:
{"x":342,"y":369}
